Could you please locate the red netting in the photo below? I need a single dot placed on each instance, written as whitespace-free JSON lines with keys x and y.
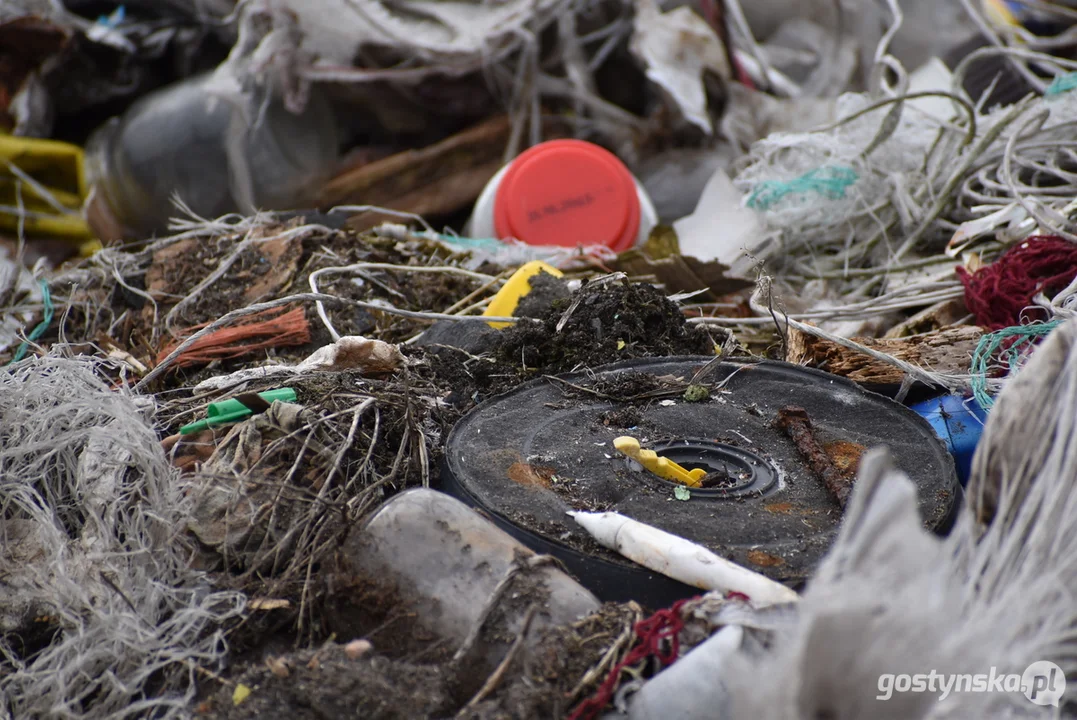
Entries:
{"x":999,"y":294}
{"x":658,"y":636}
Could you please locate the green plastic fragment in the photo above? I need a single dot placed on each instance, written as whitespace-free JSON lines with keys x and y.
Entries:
{"x":38,"y":331}
{"x":682,"y":493}
{"x":232,"y":410}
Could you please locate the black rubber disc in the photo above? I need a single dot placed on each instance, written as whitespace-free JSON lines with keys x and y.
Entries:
{"x":527,"y":457}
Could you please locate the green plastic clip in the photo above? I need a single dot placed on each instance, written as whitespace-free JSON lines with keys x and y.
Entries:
{"x":234,"y":409}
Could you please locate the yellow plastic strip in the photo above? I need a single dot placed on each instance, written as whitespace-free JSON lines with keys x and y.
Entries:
{"x":519,"y":285}
{"x":999,"y":13}
{"x":71,"y":227}
{"x":660,"y":466}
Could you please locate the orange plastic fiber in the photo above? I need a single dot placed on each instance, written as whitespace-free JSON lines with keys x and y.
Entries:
{"x":269,"y":329}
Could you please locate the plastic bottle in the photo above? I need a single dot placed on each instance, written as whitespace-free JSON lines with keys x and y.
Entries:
{"x":447,"y":562}
{"x":566,"y":193}
{"x":175,"y":142}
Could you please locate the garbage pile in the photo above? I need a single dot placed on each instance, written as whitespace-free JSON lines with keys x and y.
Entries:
{"x":599,"y":359}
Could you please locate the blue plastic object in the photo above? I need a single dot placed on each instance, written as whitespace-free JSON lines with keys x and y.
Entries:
{"x":959,"y":422}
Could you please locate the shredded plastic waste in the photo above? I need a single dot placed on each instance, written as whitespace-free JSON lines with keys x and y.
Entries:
{"x":92,"y":553}
{"x":852,"y":214}
{"x":917,"y":178}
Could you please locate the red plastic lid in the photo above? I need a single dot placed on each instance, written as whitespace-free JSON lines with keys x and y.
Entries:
{"x":568,"y":193}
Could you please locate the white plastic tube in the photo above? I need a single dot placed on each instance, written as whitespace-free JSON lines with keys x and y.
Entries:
{"x":681,"y":559}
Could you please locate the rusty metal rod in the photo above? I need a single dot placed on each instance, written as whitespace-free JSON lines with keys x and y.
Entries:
{"x":798,"y":426}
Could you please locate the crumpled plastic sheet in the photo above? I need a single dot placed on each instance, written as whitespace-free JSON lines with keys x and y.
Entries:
{"x":321,"y":38}
{"x":676,"y":47}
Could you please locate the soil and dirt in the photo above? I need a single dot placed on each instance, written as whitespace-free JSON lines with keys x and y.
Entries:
{"x":624,"y":417}
{"x":317,"y":684}
{"x":326,"y":683}
{"x":717,"y":480}
{"x":618,"y":322}
{"x":547,"y":291}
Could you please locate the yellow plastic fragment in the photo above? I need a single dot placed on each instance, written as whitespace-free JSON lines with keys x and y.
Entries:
{"x":506,"y":300}
{"x":42,"y":189}
{"x":660,"y":466}
{"x":241,"y":693}
{"x":999,"y":13}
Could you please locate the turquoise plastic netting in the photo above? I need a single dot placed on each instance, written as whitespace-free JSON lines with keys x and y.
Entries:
{"x":1012,"y":355}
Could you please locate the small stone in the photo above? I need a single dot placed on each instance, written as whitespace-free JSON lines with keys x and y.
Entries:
{"x":278,"y":666}
{"x":357,"y":649}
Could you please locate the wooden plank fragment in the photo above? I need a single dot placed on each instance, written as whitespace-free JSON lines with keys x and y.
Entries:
{"x":436,"y":180}
{"x":944,"y":351}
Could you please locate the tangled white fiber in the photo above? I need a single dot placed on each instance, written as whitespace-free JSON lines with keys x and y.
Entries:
{"x":880,"y":191}
{"x":92,"y":554}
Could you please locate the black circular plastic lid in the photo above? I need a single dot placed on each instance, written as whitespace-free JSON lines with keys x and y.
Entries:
{"x":529,"y":456}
